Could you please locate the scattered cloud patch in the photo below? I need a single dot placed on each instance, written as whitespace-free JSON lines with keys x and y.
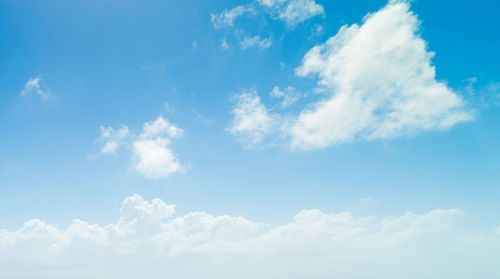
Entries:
{"x":293,"y":12}
{"x":152,"y":156}
{"x":112,"y":138}
{"x":252,"y":121}
{"x":33,"y":86}
{"x":226,"y":18}
{"x":289,"y":95}
{"x":256,"y":41}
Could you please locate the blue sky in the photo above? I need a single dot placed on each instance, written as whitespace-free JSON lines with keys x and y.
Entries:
{"x":259,"y":109}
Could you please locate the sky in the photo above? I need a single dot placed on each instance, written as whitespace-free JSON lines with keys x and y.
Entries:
{"x":250,"y":139}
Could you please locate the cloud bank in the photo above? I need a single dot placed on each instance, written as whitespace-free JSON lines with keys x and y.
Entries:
{"x":149,"y":239}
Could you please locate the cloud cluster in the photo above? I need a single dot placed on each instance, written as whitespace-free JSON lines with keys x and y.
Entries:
{"x":33,"y":86}
{"x":151,"y":153}
{"x":149,"y":236}
{"x":377,"y":81}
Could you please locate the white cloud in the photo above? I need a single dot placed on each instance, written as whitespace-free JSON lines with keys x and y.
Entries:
{"x":293,"y":12}
{"x":112,"y":138}
{"x":227,"y":18}
{"x":149,"y":237}
{"x":252,"y":121}
{"x":224,"y":45}
{"x":289,"y":95}
{"x":33,"y":86}
{"x":152,"y":156}
{"x":378,"y":82}
{"x":381,"y":84}
{"x":256,"y":41}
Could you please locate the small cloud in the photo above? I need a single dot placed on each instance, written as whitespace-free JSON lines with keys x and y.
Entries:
{"x":153,"y":157}
{"x":198,"y":116}
{"x":252,"y":121}
{"x":195,"y":45}
{"x":112,"y":139}
{"x":226,"y":18}
{"x":289,"y":95}
{"x":224,"y":45}
{"x":256,"y":41}
{"x":368,"y":202}
{"x":168,"y":108}
{"x":33,"y":86}
{"x":292,"y":12}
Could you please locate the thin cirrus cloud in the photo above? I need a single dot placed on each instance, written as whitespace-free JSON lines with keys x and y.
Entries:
{"x":152,"y":156}
{"x":378,"y":83}
{"x":226,"y":18}
{"x":149,"y":236}
{"x":112,"y":138}
{"x":33,"y":86}
{"x":255,"y":42}
{"x":293,"y":12}
{"x":289,"y":95}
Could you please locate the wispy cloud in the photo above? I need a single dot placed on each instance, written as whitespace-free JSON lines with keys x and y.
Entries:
{"x":33,"y":86}
{"x":226,"y":18}
{"x":289,"y":95}
{"x":293,"y":12}
{"x":256,"y":41}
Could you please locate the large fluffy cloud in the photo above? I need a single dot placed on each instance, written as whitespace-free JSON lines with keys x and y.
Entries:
{"x":148,"y":237}
{"x":378,"y":82}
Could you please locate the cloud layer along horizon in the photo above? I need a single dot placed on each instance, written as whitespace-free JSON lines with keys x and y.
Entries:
{"x":149,"y":239}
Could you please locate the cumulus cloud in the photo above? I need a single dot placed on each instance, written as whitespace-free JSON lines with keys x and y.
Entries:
{"x":148,"y":236}
{"x":33,"y":86}
{"x":112,"y":138}
{"x":377,"y":81}
{"x":252,"y":121}
{"x":152,"y":155}
{"x":293,"y":12}
{"x":255,"y":41}
{"x":226,"y":18}
{"x":289,"y":95}
{"x":380,"y":81}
